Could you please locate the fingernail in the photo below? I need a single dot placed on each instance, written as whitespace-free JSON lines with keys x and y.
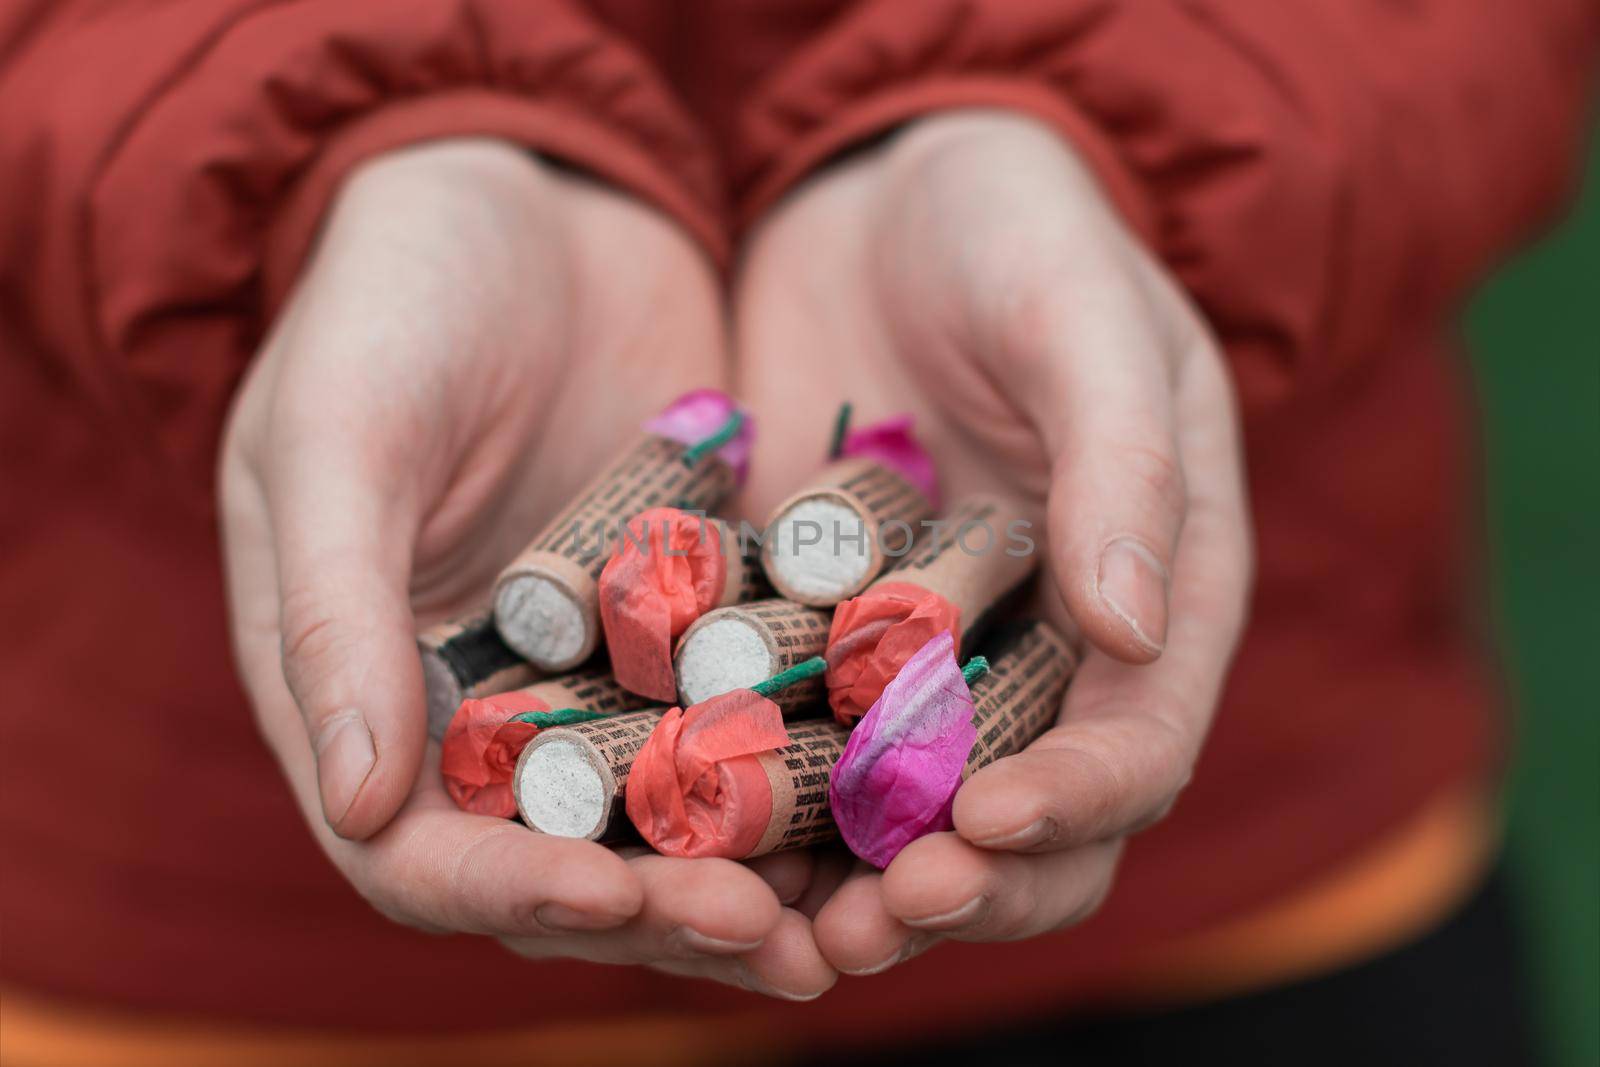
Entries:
{"x":344,"y":759}
{"x":969,"y":914}
{"x":1031,"y":836}
{"x":749,"y":980}
{"x":693,"y":941}
{"x":1133,"y":585}
{"x":913,"y":946}
{"x":561,"y":917}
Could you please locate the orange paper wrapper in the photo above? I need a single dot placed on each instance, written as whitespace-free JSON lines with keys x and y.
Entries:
{"x":698,"y":788}
{"x":950,"y":583}
{"x":481,"y":746}
{"x":672,"y":568}
{"x":480,"y":751}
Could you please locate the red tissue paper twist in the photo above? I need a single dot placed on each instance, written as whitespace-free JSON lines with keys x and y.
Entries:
{"x":480,"y":750}
{"x":667,"y":572}
{"x":874,"y":635}
{"x":697,"y":788}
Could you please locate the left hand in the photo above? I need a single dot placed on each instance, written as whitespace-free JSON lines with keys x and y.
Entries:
{"x":971,"y":270}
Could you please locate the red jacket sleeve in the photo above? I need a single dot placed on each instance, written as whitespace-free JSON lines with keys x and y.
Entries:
{"x":1319,"y":173}
{"x":164,"y":164}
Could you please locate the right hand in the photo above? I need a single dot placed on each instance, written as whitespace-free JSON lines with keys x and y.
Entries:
{"x":476,"y":333}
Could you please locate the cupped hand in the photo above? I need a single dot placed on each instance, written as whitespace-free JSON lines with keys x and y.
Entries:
{"x":971,"y":270}
{"x":476,"y":333}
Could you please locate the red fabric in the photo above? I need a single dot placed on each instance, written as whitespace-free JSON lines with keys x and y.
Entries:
{"x":479,"y":750}
{"x":666,"y":573}
{"x":1326,"y":177}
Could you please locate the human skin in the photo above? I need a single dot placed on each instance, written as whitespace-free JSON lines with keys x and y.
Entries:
{"x":971,"y":270}
{"x":444,"y":376}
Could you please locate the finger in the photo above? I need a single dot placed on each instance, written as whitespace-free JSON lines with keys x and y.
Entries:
{"x":704,"y":909}
{"x":443,"y":869}
{"x":788,"y":964}
{"x":690,"y":911}
{"x":433,"y":867}
{"x":711,"y":919}
{"x":857,"y":935}
{"x":1128,"y":736}
{"x":831,"y":867}
{"x":343,"y":537}
{"x":942,"y":885}
{"x":713,"y":906}
{"x":788,"y":873}
{"x":1096,"y":379}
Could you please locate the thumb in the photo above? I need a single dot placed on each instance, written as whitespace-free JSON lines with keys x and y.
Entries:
{"x":349,"y":654}
{"x":1102,"y":398}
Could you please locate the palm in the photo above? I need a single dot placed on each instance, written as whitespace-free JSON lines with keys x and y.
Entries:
{"x":475,"y":336}
{"x":635,"y":322}
{"x":971,"y":272}
{"x":825,"y":317}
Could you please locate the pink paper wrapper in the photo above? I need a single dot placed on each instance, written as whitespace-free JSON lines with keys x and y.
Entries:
{"x":902,"y":765}
{"x":890,"y":443}
{"x":698,"y":414}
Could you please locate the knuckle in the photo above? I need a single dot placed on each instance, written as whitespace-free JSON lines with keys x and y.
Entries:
{"x":394,"y":877}
{"x":1171,"y":751}
{"x":1096,"y":792}
{"x":1156,"y":470}
{"x":470,"y":871}
{"x":311,"y":640}
{"x":1026,"y":310}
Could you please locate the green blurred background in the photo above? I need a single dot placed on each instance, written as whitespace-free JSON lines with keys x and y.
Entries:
{"x":1535,"y":330}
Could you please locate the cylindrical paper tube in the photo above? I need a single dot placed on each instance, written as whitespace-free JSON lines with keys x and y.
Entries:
{"x":546,"y":602}
{"x":736,"y":647}
{"x":1029,"y":668}
{"x":570,"y":780}
{"x":593,"y":689}
{"x":972,"y":562}
{"x":672,"y":567}
{"x":935,"y":724}
{"x":797,"y":776}
{"x":950,"y":583}
{"x":465,"y":658}
{"x":725,"y":778}
{"x":827,"y":541}
{"x":487,"y":734}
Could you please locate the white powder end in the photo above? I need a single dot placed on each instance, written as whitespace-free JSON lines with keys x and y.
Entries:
{"x":820,"y":550}
{"x":443,"y":693}
{"x":540,"y":619}
{"x":560,"y":793}
{"x":722,"y":655}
